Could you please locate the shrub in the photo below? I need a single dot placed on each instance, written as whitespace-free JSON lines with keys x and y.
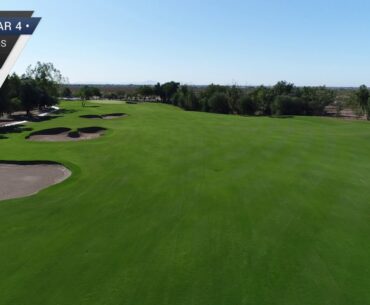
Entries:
{"x":287,"y":105}
{"x":247,"y":105}
{"x":219,"y":103}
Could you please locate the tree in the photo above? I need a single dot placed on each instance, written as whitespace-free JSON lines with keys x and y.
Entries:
{"x":30,"y":94}
{"x":316,"y":99}
{"x":204,"y":104}
{"x":38,"y":87}
{"x":169,"y":90}
{"x":192,"y":101}
{"x":145,"y":91}
{"x":283,"y":88}
{"x":66,"y":92}
{"x":121,"y":94}
{"x":263,"y":98}
{"x":8,"y":95}
{"x":48,"y":80}
{"x":362,"y":99}
{"x":45,"y":72}
{"x":212,"y":89}
{"x":4,"y":99}
{"x":158,"y":90}
{"x":234,"y":94}
{"x":219,"y":103}
{"x":111,"y":96}
{"x":247,"y":105}
{"x":179,"y":99}
{"x":85,"y":93}
{"x":95,"y":92}
{"x":287,"y":105}
{"x":186,"y":98}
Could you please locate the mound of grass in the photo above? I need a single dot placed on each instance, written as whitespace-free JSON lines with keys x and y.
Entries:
{"x":175,"y":207}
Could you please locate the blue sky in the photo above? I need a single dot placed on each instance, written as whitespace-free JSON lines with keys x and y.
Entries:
{"x":198,"y":42}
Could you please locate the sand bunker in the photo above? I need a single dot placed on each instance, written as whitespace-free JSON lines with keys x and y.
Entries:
{"x":21,"y":179}
{"x":62,"y":134}
{"x":109,"y":116}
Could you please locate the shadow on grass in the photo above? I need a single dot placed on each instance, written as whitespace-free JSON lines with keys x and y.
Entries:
{"x":114,"y":115}
{"x":51,"y":131}
{"x":14,"y":129}
{"x":34,"y":119}
{"x":36,"y":162}
{"x":93,"y":129}
{"x":281,"y":116}
{"x":91,"y":116}
{"x":104,"y":116}
{"x":44,"y":118}
{"x":65,"y":111}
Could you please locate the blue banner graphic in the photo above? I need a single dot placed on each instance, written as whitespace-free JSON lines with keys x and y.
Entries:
{"x":18,"y":26}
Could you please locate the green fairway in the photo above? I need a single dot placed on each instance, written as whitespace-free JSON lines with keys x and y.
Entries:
{"x":184,"y":208}
{"x":111,"y":102}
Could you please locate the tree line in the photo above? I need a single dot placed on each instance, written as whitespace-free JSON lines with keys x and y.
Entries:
{"x":37,"y":88}
{"x":282,"y":99}
{"x":362,"y":99}
{"x":42,"y":85}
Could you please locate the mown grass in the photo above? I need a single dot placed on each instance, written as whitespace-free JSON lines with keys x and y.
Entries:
{"x":179,"y":208}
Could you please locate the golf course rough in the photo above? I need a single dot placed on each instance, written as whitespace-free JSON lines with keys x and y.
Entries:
{"x":176,"y":208}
